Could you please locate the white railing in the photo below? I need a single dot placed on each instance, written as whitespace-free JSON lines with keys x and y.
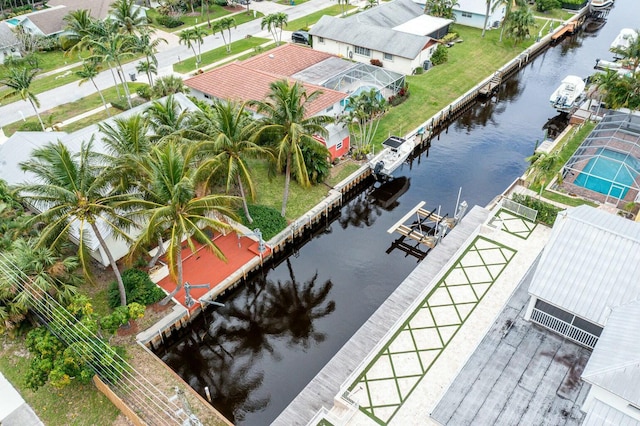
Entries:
{"x":519,"y":209}
{"x":567,"y":330}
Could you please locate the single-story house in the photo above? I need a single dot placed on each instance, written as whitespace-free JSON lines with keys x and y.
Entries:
{"x":249,"y":81}
{"x":590,"y":266}
{"x":19,"y":146}
{"x":396,"y":35}
{"x":613,"y":371}
{"x":472,"y":13}
{"x":9,"y":45}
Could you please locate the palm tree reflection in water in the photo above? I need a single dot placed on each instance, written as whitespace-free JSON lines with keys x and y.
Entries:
{"x":223,"y":358}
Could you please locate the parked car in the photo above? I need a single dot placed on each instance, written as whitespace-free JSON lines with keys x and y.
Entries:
{"x":302,"y":37}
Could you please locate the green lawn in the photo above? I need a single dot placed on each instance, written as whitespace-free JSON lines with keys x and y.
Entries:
{"x":215,"y":12}
{"x":218,"y":54}
{"x":307,"y":21}
{"x":92,"y":119}
{"x":288,"y":2}
{"x":73,"y":405}
{"x":73,"y":109}
{"x":469,"y":63}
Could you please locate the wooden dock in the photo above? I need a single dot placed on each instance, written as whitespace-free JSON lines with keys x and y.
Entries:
{"x":328,"y":382}
{"x":427,"y":227}
{"x":568,"y":28}
{"x":492,"y":86}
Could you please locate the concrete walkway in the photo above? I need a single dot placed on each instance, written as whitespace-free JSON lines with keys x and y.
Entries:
{"x":13,"y":410}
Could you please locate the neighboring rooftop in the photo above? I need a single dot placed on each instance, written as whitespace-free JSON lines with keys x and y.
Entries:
{"x":98,"y":9}
{"x":7,"y":36}
{"x":287,"y":59}
{"x":49,"y":21}
{"x":591,"y":263}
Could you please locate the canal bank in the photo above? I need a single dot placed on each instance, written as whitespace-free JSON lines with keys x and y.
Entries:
{"x":349,"y":255}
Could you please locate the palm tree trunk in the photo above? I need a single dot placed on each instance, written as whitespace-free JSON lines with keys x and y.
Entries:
{"x":37,"y":113}
{"x":104,"y":103}
{"x":115,"y":81}
{"x":159,"y":253}
{"x":244,"y":201}
{"x":287,"y":180}
{"x":112,"y":262}
{"x":178,"y":284}
{"x":124,"y":84}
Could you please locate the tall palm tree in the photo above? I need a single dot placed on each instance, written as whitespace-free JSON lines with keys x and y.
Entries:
{"x":73,"y":196}
{"x":193,"y":37}
{"x":148,"y":68}
{"x":343,"y":6}
{"x":173,"y":207}
{"x":222,"y":25}
{"x":166,"y":118}
{"x":285,"y":116}
{"x":78,"y":24}
{"x":440,"y":8}
{"x":520,"y":20}
{"x":128,"y":15}
{"x":509,"y":7}
{"x":148,"y":46}
{"x":274,"y":22}
{"x":89,"y":71}
{"x":490,"y":4}
{"x":228,"y":130}
{"x":19,"y":83}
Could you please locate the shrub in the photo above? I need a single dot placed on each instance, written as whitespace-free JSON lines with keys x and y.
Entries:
{"x":138,"y":286}
{"x":418,"y":71}
{"x":449,"y":37}
{"x":376,"y":62}
{"x":544,"y":5}
{"x":440,"y":56}
{"x":169,"y":21}
{"x":316,"y":161}
{"x":123,"y":105}
{"x":144,"y":92}
{"x":266,"y":218}
{"x":400,"y":97}
{"x":546,"y":212}
{"x":221,"y":2}
{"x":30,"y":126}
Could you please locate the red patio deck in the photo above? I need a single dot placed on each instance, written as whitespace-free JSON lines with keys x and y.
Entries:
{"x":203,"y":267}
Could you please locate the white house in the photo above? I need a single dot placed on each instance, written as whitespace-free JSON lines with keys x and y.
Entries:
{"x":9,"y":45}
{"x":613,"y":371}
{"x":19,"y":146}
{"x":397,"y":35}
{"x":472,"y":13}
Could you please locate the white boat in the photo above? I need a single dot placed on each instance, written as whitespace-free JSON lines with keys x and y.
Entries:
{"x":395,"y":152}
{"x":598,"y":5}
{"x":569,"y":94}
{"x":623,"y":40}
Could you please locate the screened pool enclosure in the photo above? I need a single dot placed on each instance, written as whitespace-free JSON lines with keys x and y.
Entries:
{"x":606,"y":166}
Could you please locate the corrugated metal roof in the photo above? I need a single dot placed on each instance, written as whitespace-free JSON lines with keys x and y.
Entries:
{"x":388,"y":15}
{"x":615,"y":362}
{"x":478,"y":7}
{"x":602,"y":414}
{"x":591,"y":263}
{"x":380,"y":39}
{"x":423,"y":25}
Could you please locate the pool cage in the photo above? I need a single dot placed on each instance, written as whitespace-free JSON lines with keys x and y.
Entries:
{"x":388,"y":83}
{"x":606,"y":166}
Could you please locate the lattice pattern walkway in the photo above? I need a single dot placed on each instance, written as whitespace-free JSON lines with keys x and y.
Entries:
{"x":515,"y":225}
{"x":395,"y":371}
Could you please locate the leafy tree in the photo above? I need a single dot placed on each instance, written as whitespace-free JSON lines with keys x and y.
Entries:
{"x":18,"y":81}
{"x":73,"y":196}
{"x":89,"y":71}
{"x":222,"y":25}
{"x":363,"y":113}
{"x":544,"y":5}
{"x":274,"y":22}
{"x":171,"y":205}
{"x":139,"y":287}
{"x":440,"y":56}
{"x":285,"y":116}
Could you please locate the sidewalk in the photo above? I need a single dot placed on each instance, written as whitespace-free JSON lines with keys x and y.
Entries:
{"x":13,"y":410}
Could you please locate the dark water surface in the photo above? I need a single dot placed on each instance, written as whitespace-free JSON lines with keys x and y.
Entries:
{"x":272,"y":337}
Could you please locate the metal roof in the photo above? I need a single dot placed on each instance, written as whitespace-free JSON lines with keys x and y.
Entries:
{"x":602,"y":414}
{"x":615,"y":362}
{"x":591,"y":263}
{"x":389,"y":14}
{"x":380,"y":39}
{"x":322,"y":71}
{"x":478,"y":7}
{"x":423,"y":25}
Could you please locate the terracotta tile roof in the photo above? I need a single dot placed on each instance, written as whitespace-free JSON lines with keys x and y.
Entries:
{"x":240,"y":83}
{"x":286,"y":59}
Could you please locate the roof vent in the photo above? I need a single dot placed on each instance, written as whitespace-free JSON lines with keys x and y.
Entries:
{"x":271,"y":55}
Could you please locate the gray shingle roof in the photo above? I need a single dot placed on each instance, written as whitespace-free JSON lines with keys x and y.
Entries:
{"x":615,"y":362}
{"x":358,"y":34}
{"x":389,"y":14}
{"x":591,"y":263}
{"x":7,"y":36}
{"x":49,"y":21}
{"x":98,"y":9}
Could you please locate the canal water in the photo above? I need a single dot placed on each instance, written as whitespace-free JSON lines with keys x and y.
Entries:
{"x":274,"y":334}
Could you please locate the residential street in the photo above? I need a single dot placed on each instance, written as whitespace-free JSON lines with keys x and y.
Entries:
{"x":168,"y":54}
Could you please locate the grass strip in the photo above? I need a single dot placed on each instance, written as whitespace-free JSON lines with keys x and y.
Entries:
{"x":307,"y":21}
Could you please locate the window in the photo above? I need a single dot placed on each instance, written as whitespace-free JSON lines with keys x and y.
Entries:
{"x":388,"y":57}
{"x":330,"y":109}
{"x":207,"y":96}
{"x":362,"y":51}
{"x":320,"y":39}
{"x":339,"y":145}
{"x":466,"y":15}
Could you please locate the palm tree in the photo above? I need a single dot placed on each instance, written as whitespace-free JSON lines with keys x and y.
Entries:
{"x":128,"y":15}
{"x":193,"y":37}
{"x":172,"y":206}
{"x":440,"y":8}
{"x":284,"y":114}
{"x":229,"y":128}
{"x":166,"y":118}
{"x":148,"y":68}
{"x":273,"y":22}
{"x":143,"y":43}
{"x":19,"y":83}
{"x":518,"y":24}
{"x":78,"y":25}
{"x":168,"y":85}
{"x":73,"y":197}
{"x":491,"y":4}
{"x":222,"y":25}
{"x":364,"y":113}
{"x":509,"y":6}
{"x":89,"y":71}
{"x":343,"y":6}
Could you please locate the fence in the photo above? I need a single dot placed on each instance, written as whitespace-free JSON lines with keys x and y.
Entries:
{"x":565,"y":329}
{"x":519,"y":209}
